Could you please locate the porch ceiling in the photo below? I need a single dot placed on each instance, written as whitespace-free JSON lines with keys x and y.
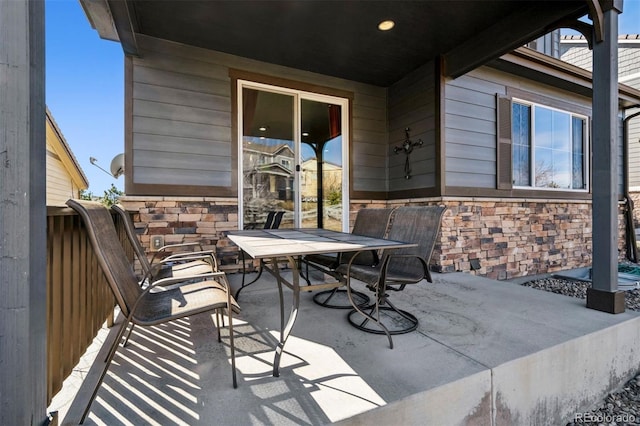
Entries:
{"x":340,"y":38}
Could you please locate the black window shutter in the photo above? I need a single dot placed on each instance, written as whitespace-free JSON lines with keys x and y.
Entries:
{"x":504,"y":174}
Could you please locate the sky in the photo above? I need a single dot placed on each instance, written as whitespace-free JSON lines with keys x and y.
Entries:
{"x":85,"y":86}
{"x":85,"y":90}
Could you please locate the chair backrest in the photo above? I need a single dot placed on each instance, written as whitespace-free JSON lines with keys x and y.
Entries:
{"x":277,"y":218}
{"x":109,"y":251}
{"x":372,"y":223}
{"x":273,"y":220}
{"x":420,"y":225}
{"x":133,"y":238}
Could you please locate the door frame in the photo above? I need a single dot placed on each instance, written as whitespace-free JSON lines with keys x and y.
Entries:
{"x":298,"y":95}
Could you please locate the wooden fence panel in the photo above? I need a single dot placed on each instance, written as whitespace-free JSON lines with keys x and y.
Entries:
{"x":79,"y":299}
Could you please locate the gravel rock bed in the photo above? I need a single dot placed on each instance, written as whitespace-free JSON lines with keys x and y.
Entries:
{"x":579,"y":289}
{"x":621,"y":407}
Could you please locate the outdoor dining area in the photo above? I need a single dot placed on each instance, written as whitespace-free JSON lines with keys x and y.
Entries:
{"x":454,"y":349}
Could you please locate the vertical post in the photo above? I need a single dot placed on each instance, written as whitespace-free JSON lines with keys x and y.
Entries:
{"x":320,"y":183}
{"x":22,"y":214}
{"x":604,"y":295}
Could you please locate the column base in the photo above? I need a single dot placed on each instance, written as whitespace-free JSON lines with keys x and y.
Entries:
{"x":606,"y":301}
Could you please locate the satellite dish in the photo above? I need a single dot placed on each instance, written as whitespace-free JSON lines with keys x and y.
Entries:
{"x":117,"y":165}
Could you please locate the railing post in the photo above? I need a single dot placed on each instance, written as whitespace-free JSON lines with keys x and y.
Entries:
{"x":22,"y":214}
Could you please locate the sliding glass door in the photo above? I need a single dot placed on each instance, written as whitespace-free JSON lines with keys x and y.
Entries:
{"x":293,"y":157}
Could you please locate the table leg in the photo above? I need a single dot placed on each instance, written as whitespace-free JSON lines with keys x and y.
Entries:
{"x":285,"y":330}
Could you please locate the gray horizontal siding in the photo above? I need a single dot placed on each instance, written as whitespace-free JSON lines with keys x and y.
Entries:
{"x":470,"y":123}
{"x":182,"y":108}
{"x":468,"y":138}
{"x":456,"y":150}
{"x":187,"y":114}
{"x":634,"y":149}
{"x":153,"y":175}
{"x":181,"y":119}
{"x":149,"y":142}
{"x":180,"y":80}
{"x":470,"y":130}
{"x":182,"y":129}
{"x":628,"y":60}
{"x":412,"y":104}
{"x":172,"y":160}
{"x":369,"y":141}
{"x":148,"y":92}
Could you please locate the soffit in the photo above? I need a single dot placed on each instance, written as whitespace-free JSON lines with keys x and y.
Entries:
{"x":340,"y":38}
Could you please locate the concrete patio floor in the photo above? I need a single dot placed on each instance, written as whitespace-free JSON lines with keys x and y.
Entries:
{"x":485,"y":353}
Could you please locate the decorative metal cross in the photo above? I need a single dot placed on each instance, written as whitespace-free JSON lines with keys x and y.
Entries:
{"x":407,"y":147}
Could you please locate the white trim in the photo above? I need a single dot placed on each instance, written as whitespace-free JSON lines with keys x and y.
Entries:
{"x":586,"y":148}
{"x":298,"y":96}
{"x":581,"y":41}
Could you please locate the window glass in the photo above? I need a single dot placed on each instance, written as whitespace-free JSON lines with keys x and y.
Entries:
{"x":521,"y":144}
{"x":553,"y":155}
{"x":578,"y":178}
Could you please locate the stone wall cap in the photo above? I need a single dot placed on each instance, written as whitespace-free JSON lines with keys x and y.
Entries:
{"x":516,"y":200}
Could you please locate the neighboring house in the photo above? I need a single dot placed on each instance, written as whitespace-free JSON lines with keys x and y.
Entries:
{"x":267,"y":171}
{"x":574,"y":49}
{"x":332,"y":179}
{"x":518,"y":201}
{"x":65,"y":178}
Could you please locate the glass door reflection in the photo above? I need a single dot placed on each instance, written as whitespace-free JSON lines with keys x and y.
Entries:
{"x":321,"y":165}
{"x":268,"y":157}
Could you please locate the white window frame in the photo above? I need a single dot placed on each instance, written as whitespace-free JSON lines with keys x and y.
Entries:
{"x":532,"y":159}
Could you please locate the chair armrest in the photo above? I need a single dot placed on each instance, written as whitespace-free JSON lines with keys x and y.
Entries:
{"x":184,"y":280}
{"x":206,"y":256}
{"x":179,"y":256}
{"x":171,"y":246}
{"x":163,"y":250}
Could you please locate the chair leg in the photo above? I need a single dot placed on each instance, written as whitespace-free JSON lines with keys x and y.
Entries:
{"x":404,"y":321}
{"x":373,"y":315}
{"x":220,"y":320}
{"x":126,"y":340}
{"x":323,"y":299}
{"x":231,"y":342}
{"x":218,"y":325}
{"x":306,"y":274}
{"x":244,"y":272}
{"x":233,"y":351}
{"x":112,"y":352}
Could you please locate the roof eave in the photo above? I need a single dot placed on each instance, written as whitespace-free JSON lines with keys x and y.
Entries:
{"x":546,"y":69}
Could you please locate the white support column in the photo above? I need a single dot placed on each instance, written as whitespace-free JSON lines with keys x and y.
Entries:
{"x":22,"y":214}
{"x":604,"y":295}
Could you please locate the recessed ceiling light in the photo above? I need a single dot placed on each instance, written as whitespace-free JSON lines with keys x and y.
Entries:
{"x":263,"y":129}
{"x":305,"y":133}
{"x":386,"y":25}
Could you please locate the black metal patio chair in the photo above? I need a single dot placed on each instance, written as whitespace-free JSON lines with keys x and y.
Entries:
{"x":272,"y":221}
{"x":162,"y":301}
{"x":369,"y":223}
{"x":397,"y":268}
{"x":166,"y":262}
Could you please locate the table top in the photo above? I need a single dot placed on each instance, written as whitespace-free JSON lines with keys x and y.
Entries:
{"x":269,"y":243}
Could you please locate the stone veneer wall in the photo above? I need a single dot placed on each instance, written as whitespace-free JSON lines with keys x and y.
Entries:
{"x":508,"y":238}
{"x":187,"y":219}
{"x":496,"y":238}
{"x":635,"y":197}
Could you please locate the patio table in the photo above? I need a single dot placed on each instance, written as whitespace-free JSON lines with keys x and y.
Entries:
{"x":277,"y":245}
